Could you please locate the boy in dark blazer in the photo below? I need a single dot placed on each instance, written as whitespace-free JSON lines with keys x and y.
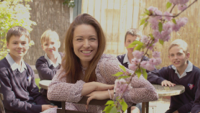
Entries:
{"x":17,"y":78}
{"x":131,"y":35}
{"x":48,"y":64}
{"x":181,"y":72}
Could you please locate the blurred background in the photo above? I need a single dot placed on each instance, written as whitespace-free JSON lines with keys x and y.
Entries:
{"x":115,"y":17}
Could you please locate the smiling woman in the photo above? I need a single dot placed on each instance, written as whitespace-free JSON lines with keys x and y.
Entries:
{"x":86,"y":71}
{"x":85,"y":43}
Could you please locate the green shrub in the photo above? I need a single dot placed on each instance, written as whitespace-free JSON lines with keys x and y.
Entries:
{"x":13,"y":13}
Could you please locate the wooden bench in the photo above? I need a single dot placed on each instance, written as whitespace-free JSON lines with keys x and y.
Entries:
{"x":45,"y":83}
{"x":83,"y":101}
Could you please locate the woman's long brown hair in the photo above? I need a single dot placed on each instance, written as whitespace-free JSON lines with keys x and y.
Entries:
{"x":70,"y":62}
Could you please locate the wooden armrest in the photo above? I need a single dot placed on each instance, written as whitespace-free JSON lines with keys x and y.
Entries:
{"x":1,"y":96}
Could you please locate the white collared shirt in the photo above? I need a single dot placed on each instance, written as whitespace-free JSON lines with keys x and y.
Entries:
{"x":126,"y":59}
{"x":188,"y":69}
{"x":14,"y":65}
{"x":51,"y":63}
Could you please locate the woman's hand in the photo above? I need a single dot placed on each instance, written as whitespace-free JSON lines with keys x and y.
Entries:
{"x":95,"y":86}
{"x":99,"y":95}
{"x":102,"y":87}
{"x":45,"y":107}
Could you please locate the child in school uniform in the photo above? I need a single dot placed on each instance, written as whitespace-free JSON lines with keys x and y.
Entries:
{"x":181,"y":72}
{"x":48,"y":64}
{"x":17,"y":78}
{"x":131,"y":35}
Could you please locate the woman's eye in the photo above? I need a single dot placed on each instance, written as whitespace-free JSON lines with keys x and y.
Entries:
{"x":79,"y":39}
{"x":93,"y":39}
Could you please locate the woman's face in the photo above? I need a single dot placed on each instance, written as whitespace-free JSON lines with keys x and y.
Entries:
{"x":85,"y":43}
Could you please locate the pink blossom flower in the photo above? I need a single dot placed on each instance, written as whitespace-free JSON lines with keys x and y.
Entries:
{"x":154,"y":23}
{"x":175,"y":2}
{"x":135,"y":61}
{"x":152,"y":9}
{"x":149,"y":67}
{"x":155,"y":40}
{"x":151,"y":47}
{"x":156,"y":54}
{"x":167,"y":38}
{"x":183,"y":1}
{"x":132,"y":66}
{"x":120,"y":86}
{"x":168,"y":16}
{"x":167,"y":29}
{"x":168,"y":25}
{"x":158,"y":12}
{"x":176,"y":28}
{"x":182,"y":7}
{"x":137,"y":54}
{"x":158,"y":61}
{"x":152,"y":61}
{"x":166,"y":34}
{"x":180,"y":23}
{"x":155,"y":11}
{"x":144,"y":39}
{"x":157,"y":34}
{"x":143,"y":64}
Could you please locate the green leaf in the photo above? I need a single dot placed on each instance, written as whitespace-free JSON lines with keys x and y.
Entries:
{"x":109,"y":102}
{"x":174,"y":21}
{"x":113,"y":110}
{"x":147,"y":12}
{"x":144,"y":73}
{"x":122,"y":67}
{"x":160,"y":26}
{"x":168,"y":5}
{"x":134,"y":43}
{"x":143,"y":21}
{"x":124,"y":105}
{"x":138,"y":72}
{"x":145,"y":25}
{"x":151,"y":35}
{"x":118,"y":74}
{"x":139,"y":47}
{"x":161,"y":41}
{"x":107,"y":109}
{"x":123,"y":77}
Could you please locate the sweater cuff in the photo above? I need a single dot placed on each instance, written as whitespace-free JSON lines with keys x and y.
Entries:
{"x":37,"y":108}
{"x":77,"y":95}
{"x":160,"y":80}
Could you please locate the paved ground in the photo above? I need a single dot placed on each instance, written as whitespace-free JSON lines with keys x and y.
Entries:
{"x":159,"y":106}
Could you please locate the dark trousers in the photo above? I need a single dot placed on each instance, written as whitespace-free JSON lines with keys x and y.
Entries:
{"x":170,"y":111}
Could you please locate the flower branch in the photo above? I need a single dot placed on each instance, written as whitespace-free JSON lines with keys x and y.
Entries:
{"x":172,"y":10}
{"x":162,"y":26}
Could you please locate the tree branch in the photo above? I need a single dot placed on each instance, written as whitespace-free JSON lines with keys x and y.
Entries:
{"x":172,"y":8}
{"x":178,"y":13}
